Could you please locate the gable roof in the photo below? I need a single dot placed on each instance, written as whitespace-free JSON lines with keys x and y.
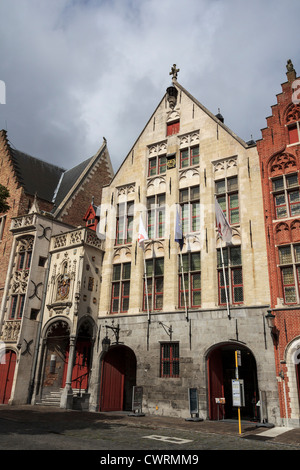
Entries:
{"x":67,"y":180}
{"x":73,"y":178}
{"x":36,"y":176}
{"x":216,"y":118}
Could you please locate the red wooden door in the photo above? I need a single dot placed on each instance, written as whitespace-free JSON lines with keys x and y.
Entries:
{"x":7,"y":370}
{"x":80,"y":372}
{"x":112,"y":381}
{"x":215,"y":384}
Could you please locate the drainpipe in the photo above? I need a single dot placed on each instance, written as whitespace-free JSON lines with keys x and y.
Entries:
{"x":37,"y":343}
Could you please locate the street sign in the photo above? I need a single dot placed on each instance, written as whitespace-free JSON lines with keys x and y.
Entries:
{"x":238,"y":396}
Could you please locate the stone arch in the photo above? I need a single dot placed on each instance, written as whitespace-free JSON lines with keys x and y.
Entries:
{"x":292,"y":358}
{"x":220,"y":367}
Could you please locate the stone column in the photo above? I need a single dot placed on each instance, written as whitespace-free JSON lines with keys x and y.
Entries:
{"x":66,"y":400}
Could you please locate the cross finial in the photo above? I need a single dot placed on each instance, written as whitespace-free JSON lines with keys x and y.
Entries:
{"x":174,"y":71}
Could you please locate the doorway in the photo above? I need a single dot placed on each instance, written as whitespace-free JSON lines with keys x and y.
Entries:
{"x":221,"y":371}
{"x":118,"y":377}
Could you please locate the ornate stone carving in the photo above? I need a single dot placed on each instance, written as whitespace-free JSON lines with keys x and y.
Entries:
{"x":10,"y":330}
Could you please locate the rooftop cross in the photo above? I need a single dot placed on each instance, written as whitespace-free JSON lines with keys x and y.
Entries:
{"x":174,"y":71}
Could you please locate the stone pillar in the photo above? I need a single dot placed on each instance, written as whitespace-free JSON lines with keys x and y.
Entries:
{"x":66,"y":400}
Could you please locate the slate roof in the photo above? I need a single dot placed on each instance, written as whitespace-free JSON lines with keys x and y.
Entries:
{"x":68,"y":180}
{"x":36,"y":176}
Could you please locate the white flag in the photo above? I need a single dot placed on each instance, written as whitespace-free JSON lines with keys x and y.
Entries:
{"x":142,"y":233}
{"x":223,"y":226}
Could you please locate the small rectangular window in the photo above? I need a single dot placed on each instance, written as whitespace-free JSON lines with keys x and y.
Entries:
{"x":169,"y":360}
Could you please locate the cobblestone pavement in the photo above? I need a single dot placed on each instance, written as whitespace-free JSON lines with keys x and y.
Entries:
{"x":44,"y":428}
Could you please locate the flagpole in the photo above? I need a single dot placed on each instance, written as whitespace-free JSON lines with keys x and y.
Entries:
{"x":225,"y":283}
{"x":183,"y":284}
{"x":141,"y":238}
{"x":146,"y":288}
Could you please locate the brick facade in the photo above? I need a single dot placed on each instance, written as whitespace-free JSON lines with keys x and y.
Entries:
{"x":280,"y":164}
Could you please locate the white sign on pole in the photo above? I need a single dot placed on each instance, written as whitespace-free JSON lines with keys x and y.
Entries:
{"x":238,"y":397}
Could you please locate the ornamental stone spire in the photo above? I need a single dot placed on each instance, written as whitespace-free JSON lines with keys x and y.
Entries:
{"x":174,"y":72}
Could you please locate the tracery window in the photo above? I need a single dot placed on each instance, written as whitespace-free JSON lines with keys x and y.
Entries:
{"x":286,"y":195}
{"x":289,"y":263}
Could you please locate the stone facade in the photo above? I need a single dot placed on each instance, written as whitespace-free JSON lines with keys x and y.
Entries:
{"x":172,"y":132}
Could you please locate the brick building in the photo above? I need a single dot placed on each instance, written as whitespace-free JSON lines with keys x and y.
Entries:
{"x":279,"y":155}
{"x":45,"y":200}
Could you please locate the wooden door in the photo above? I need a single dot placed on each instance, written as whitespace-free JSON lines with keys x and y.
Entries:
{"x":80,"y":371}
{"x":7,"y":370}
{"x":215,"y":384}
{"x":112,"y":381}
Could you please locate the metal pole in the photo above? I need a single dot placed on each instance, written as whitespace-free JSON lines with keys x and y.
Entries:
{"x":183,"y":284}
{"x":225,"y":283}
{"x":237,"y":376}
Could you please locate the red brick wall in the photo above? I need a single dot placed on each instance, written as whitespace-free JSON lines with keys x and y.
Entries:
{"x":277,"y":157}
{"x":75,"y":210}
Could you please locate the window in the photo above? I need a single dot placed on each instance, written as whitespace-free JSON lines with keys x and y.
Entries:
{"x":189,"y":156}
{"x":169,"y":360}
{"x":16,"y":307}
{"x":156,"y":216}
{"x":173,"y":128}
{"x":286,"y":196}
{"x":120,"y":288}
{"x":233,"y":275}
{"x":294,"y":132}
{"x":24,"y":253}
{"x":189,"y":200}
{"x":157,"y":165}
{"x":124,"y":227}
{"x":191,"y":263}
{"x":155,"y":284}
{"x":228,"y":199}
{"x":289,"y":261}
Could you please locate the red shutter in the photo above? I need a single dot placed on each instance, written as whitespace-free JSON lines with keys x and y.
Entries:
{"x":173,"y":128}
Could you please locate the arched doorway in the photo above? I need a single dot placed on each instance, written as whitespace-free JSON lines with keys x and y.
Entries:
{"x":82,"y":360}
{"x":118,"y":376}
{"x":8,"y":361}
{"x":57,"y":345}
{"x":221,"y":371}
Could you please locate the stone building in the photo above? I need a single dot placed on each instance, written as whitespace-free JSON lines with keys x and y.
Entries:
{"x":173,"y":340}
{"x":279,"y":154}
{"x":107,"y":314}
{"x":44,"y":201}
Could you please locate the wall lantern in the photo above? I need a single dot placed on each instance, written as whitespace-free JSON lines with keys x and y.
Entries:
{"x":106,"y":341}
{"x":105,"y":344}
{"x":271,"y":324}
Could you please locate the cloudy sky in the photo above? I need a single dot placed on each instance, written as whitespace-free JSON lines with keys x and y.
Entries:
{"x":78,"y":70}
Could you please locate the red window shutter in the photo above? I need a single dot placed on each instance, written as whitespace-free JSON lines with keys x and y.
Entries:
{"x":173,"y":128}
{"x":293,"y":134}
